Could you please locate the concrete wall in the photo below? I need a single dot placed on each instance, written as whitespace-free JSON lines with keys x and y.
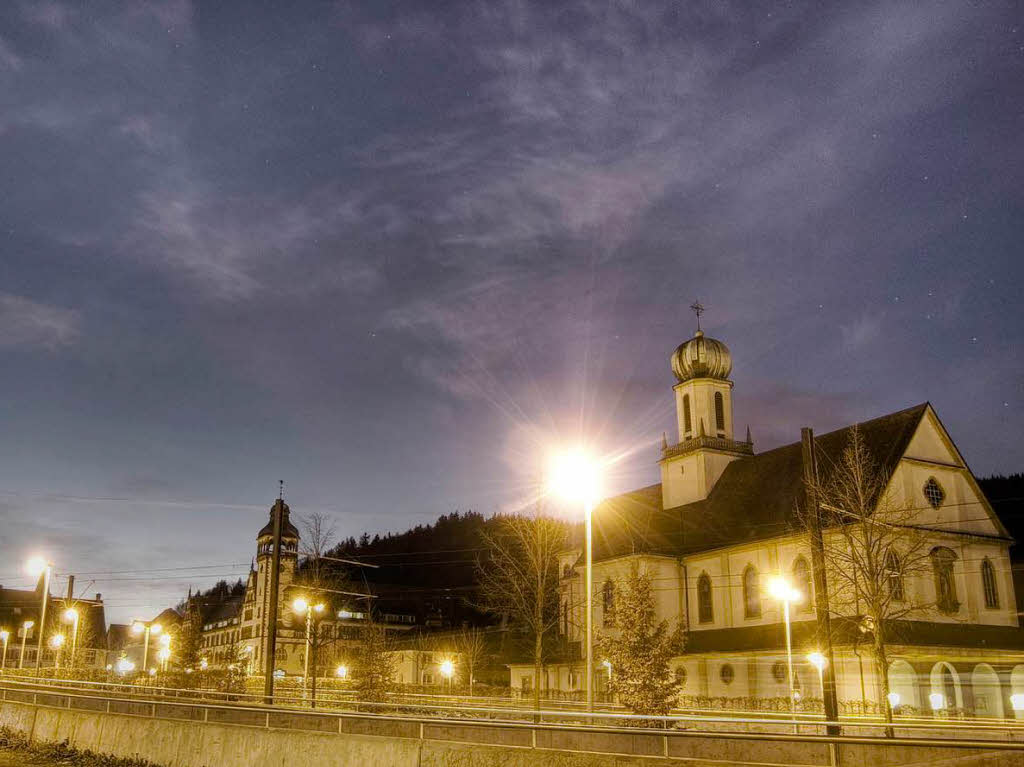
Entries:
{"x":201,"y":736}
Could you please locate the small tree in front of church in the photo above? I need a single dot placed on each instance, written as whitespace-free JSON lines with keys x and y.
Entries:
{"x":373,"y":668}
{"x":638,"y":654}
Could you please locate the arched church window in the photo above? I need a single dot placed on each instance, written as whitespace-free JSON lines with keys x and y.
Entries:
{"x":687,"y":421}
{"x":719,"y":411}
{"x":934,"y":493}
{"x":802,"y":582}
{"x":705,"y":607}
{"x":608,"y":603}
{"x":894,"y":575}
{"x":945,"y":585}
{"x":988,"y":582}
{"x":751,"y":593}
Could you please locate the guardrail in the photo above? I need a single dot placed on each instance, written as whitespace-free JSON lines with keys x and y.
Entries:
{"x":908,"y":732}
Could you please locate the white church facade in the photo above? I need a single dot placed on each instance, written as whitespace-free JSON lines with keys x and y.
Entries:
{"x":723,"y":521}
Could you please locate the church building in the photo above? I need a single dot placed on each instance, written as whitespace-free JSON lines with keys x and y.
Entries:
{"x":724,"y":520}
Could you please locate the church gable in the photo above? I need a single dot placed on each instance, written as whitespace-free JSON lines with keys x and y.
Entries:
{"x":933,"y":478}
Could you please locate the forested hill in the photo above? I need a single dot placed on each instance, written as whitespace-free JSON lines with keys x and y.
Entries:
{"x":1006,"y":494}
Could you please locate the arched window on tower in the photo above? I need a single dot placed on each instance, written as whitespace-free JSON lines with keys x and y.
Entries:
{"x":751,"y":593}
{"x":720,"y":413}
{"x":608,"y":604}
{"x":988,"y":582}
{"x":705,"y":607}
{"x":687,"y":421}
{"x":803,"y":584}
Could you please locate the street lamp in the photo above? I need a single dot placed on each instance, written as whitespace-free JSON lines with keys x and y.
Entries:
{"x":575,"y":476}
{"x":300,"y":606}
{"x":146,"y":628}
{"x":342,"y":672}
{"x":894,"y":700}
{"x":4,"y":635}
{"x":24,"y":635}
{"x":782,"y":590}
{"x":447,"y":669}
{"x":71,"y":615}
{"x":56,"y":642}
{"x":164,"y":653}
{"x":37,"y":566}
{"x":819,"y":661}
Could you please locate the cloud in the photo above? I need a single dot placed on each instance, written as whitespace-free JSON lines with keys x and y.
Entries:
{"x":861,"y":332}
{"x":28,"y":323}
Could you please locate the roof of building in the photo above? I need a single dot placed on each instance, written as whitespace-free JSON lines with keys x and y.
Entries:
{"x":755,"y":498}
{"x":222,"y":611}
{"x":288,"y":530}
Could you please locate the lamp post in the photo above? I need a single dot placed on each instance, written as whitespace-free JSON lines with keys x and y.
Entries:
{"x":57,"y":643}
{"x":4,"y":635}
{"x":164,"y":653}
{"x":575,"y":477}
{"x":146,"y":628}
{"x":447,"y":669}
{"x":819,"y":661}
{"x":38,"y":566}
{"x":782,"y":590}
{"x":24,"y":635}
{"x":71,"y":614}
{"x":301,"y":606}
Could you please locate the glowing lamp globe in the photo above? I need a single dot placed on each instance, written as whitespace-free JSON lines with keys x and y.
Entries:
{"x":817,"y":660}
{"x":447,"y":668}
{"x":56,"y":640}
{"x":1017,"y":701}
{"x":300,"y":605}
{"x":342,"y":672}
{"x":4,"y":635}
{"x":781,"y":589}
{"x":575,"y":476}
{"x":894,"y":699}
{"x":35,"y":566}
{"x":937,"y":700}
{"x":71,"y":614}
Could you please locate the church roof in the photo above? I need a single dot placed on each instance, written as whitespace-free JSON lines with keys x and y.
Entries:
{"x":755,"y":498}
{"x":288,"y":530}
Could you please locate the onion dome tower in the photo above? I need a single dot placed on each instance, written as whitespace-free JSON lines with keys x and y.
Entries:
{"x":703,"y":394}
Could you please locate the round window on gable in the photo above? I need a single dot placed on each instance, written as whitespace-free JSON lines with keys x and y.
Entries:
{"x":726,"y":674}
{"x":934,"y":493}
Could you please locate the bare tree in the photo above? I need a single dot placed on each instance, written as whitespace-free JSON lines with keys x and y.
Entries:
{"x":374,"y":663}
{"x":321,"y":579}
{"x":875,"y":549}
{"x":518,"y":578}
{"x":472,"y":645}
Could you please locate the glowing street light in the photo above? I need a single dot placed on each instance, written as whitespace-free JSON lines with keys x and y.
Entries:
{"x":894,"y":700}
{"x":37,"y":566}
{"x":146,"y":628}
{"x":782,"y":590}
{"x":124,"y":666}
{"x":302,"y":606}
{"x":1017,"y":701}
{"x":24,"y":635}
{"x":341,"y":672}
{"x":4,"y":635}
{"x":71,"y":616}
{"x":937,"y":701}
{"x":819,"y":661}
{"x":203,"y":664}
{"x":57,"y":643}
{"x":576,"y":477}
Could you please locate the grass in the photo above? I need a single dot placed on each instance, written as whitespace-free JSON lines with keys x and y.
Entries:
{"x":34,"y":753}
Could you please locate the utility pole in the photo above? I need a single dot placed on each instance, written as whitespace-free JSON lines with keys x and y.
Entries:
{"x":275,"y":579}
{"x":821,"y":613}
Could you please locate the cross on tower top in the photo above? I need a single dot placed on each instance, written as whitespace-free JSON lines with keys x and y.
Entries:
{"x":698,"y":309}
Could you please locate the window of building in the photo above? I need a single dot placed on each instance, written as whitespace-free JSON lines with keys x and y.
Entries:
{"x":727,"y":673}
{"x":945,"y":584}
{"x":705,"y":607}
{"x":687,"y":421}
{"x":751,"y":593}
{"x":779,"y":671}
{"x":802,"y":582}
{"x":608,"y":603}
{"x":988,"y":582}
{"x":934,"y":493}
{"x":720,"y":413}
{"x":894,"y":576}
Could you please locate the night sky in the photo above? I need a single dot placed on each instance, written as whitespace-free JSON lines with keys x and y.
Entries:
{"x":391,"y":253}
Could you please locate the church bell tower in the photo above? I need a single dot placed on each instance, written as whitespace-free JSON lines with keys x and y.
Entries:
{"x":703,"y":393}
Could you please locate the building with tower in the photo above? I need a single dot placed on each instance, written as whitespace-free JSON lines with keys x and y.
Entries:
{"x":724,"y":520}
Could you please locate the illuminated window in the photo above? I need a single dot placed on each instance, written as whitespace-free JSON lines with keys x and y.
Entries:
{"x":988,"y":582}
{"x":934,"y":493}
{"x":705,"y":607}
